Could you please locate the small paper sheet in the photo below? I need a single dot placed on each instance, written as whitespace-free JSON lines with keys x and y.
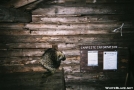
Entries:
{"x":92,"y":58}
{"x":109,"y":60}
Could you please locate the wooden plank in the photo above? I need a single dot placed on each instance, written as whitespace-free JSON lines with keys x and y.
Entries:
{"x":21,"y":68}
{"x":31,"y":52}
{"x":27,"y":60}
{"x":91,"y":26}
{"x":21,"y":52}
{"x":52,"y":32}
{"x":80,"y":19}
{"x":85,"y":10}
{"x":73,"y":26}
{"x":61,"y":46}
{"x":100,"y":1}
{"x":15,"y":61}
{"x":83,"y":39}
{"x":25,"y":45}
{"x":109,"y":1}
{"x":77,"y":32}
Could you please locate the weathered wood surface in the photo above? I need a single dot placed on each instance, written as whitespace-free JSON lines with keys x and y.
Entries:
{"x":85,"y":10}
{"x":14,"y":15}
{"x":32,"y":81}
{"x":59,"y":19}
{"x":68,"y":24}
{"x":9,"y":68}
{"x":68,"y":39}
{"x":78,"y":26}
{"x":109,"y":1}
{"x":61,"y":46}
{"x":84,"y":25}
{"x":54,"y":32}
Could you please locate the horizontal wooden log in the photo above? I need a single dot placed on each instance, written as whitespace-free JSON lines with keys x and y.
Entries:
{"x":77,"y":32}
{"x":73,"y":26}
{"x":83,"y":39}
{"x":81,"y":19}
{"x":33,"y":52}
{"x":87,"y":26}
{"x":85,"y":10}
{"x":62,"y":32}
{"x":58,"y":32}
{"x":94,"y":1}
{"x":21,"y":68}
{"x":36,"y":45}
{"x":61,"y":46}
{"x":19,"y":61}
{"x":27,"y":60}
{"x":25,"y":45}
{"x":21,"y":52}
{"x":108,"y":1}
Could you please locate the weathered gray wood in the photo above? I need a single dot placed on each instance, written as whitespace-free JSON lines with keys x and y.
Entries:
{"x":85,"y":10}
{"x":76,"y":32}
{"x":80,"y":19}
{"x":21,"y":68}
{"x":14,"y":15}
{"x":79,"y":39}
{"x":91,"y":26}
{"x":108,"y":1}
{"x":36,"y":26}
{"x":61,"y":46}
{"x":98,"y":1}
{"x":21,"y":52}
{"x":25,"y":45}
{"x":68,"y":25}
{"x":10,"y":61}
{"x":27,"y":60}
{"x":31,"y":52}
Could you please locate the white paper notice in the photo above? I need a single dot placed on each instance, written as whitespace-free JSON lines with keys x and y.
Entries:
{"x":110,"y":60}
{"x":92,"y":58}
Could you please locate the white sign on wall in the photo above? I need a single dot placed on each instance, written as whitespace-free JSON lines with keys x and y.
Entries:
{"x":109,"y":60}
{"x":92,"y":58}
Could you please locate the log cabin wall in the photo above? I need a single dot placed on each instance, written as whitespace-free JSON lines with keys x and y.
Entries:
{"x":68,"y":24}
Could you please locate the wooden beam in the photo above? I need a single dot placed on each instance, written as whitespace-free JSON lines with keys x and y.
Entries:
{"x":82,"y":19}
{"x":14,"y":15}
{"x":84,"y":10}
{"x":80,"y":39}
